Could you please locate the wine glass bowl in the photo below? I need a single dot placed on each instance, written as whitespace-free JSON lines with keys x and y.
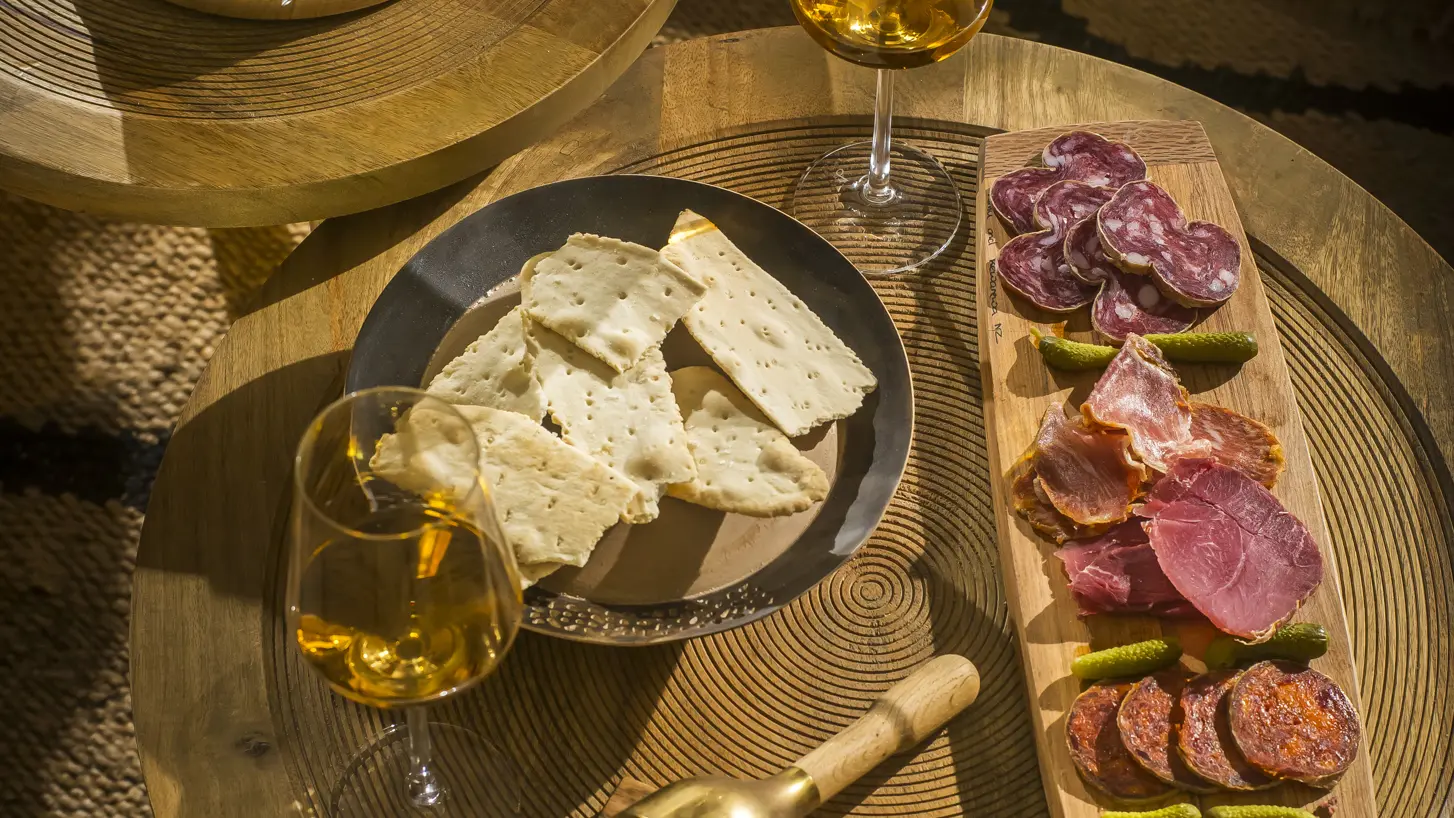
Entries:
{"x":889,"y":208}
{"x":400,"y":592}
{"x":884,"y":34}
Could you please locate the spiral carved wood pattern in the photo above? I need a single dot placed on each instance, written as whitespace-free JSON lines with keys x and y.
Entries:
{"x":151,"y":111}
{"x":749,"y":701}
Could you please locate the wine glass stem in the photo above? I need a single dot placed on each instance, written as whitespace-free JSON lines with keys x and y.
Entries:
{"x":425,"y":788}
{"x":876,"y":188}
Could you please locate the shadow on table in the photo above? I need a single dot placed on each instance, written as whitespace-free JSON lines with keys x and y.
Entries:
{"x":569,"y":714}
{"x":220,"y":502}
{"x":344,"y":243}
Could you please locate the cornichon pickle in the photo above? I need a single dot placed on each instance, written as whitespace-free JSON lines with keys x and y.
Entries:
{"x":1204,"y":347}
{"x":1136,"y":659}
{"x":1258,"y":811}
{"x":1173,"y":811}
{"x":1301,"y":642}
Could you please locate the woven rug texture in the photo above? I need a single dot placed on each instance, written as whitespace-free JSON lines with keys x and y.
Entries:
{"x":105,"y":328}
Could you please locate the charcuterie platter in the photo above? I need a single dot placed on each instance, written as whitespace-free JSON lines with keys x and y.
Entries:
{"x":1153,"y":489}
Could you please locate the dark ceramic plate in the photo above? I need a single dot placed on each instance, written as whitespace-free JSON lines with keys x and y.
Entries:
{"x":692,"y":571}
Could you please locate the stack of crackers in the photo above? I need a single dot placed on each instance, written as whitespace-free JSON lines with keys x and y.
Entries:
{"x":584,"y":349}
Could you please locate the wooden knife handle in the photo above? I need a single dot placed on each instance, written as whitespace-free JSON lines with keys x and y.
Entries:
{"x":899,"y":719}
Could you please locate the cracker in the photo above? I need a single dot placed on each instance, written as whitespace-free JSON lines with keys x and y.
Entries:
{"x":496,"y":370}
{"x":744,"y":463}
{"x":781,"y":355}
{"x":531,"y":573}
{"x":612,"y":298}
{"x":554,"y":501}
{"x":628,"y":421}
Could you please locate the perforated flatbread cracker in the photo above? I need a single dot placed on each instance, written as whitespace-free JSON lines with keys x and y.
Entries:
{"x":781,"y":355}
{"x":554,"y":501}
{"x":531,"y":573}
{"x":611,"y":298}
{"x":628,"y":420}
{"x":496,"y":370}
{"x":744,"y":463}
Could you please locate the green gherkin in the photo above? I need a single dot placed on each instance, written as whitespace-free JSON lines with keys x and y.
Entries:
{"x":1204,"y":347}
{"x":1301,"y":642}
{"x":1173,"y":811}
{"x":1136,"y":659}
{"x":1258,"y":811}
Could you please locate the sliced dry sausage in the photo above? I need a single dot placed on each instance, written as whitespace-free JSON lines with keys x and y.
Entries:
{"x":1291,"y":721}
{"x":1033,"y":264}
{"x":1078,"y":156}
{"x":1205,"y":739}
{"x":1125,"y":303}
{"x":1149,"y":720}
{"x":1143,"y":230}
{"x":1096,"y":748}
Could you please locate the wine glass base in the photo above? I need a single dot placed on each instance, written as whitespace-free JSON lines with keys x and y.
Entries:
{"x":913,"y":226}
{"x":472,"y":777}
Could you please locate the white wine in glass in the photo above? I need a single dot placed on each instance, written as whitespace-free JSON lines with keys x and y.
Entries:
{"x":403,"y":593}
{"x":890,"y":208}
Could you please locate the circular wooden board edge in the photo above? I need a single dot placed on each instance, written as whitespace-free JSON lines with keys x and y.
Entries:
{"x":60,"y":173}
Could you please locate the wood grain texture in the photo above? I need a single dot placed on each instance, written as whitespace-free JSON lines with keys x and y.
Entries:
{"x":227,"y":728}
{"x":276,"y":9}
{"x":1019,"y":388}
{"x":223,"y":122}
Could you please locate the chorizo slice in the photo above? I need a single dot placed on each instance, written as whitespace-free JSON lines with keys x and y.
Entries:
{"x":1205,"y":740}
{"x":1096,"y":748}
{"x":1149,"y":720}
{"x":1291,"y":721}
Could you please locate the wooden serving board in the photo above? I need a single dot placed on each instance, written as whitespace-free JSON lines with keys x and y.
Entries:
{"x":1018,"y":387}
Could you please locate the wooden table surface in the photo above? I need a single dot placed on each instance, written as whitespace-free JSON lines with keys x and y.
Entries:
{"x":148,"y":111}
{"x":213,"y":693}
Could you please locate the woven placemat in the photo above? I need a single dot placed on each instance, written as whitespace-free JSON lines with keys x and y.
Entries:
{"x":105,"y":327}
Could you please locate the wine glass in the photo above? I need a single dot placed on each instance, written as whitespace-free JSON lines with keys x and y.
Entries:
{"x":891,"y":208}
{"x":401,"y":591}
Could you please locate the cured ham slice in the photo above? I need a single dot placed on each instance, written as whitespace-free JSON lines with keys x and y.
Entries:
{"x":1144,"y":231}
{"x":1033,"y":264}
{"x":1030,"y":501}
{"x":1230,"y":547}
{"x":1078,"y":156}
{"x":1238,"y":441}
{"x":1140,"y":393}
{"x":1117,"y":573}
{"x":1125,"y":303}
{"x":1086,"y":473}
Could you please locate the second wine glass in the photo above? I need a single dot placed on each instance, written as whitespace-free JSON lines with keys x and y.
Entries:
{"x":890,"y":208}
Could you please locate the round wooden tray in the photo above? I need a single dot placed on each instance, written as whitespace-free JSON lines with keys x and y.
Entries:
{"x":276,"y":9}
{"x":224,"y":707}
{"x":149,"y":111}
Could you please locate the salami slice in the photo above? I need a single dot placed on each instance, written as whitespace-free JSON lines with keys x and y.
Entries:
{"x":1126,"y":303}
{"x":1096,"y":748}
{"x":1149,"y":720}
{"x":1238,"y":441}
{"x":1078,"y":156}
{"x":1291,"y":721}
{"x":1205,"y":739}
{"x":1143,"y":230}
{"x":1033,"y":264}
